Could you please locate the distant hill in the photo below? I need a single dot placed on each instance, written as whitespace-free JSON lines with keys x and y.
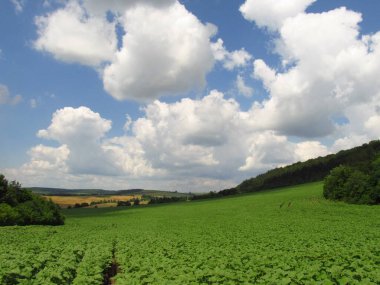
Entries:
{"x":309,"y":171}
{"x":102,"y":192}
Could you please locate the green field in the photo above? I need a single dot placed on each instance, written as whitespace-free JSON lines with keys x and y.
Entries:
{"x":285,"y":236}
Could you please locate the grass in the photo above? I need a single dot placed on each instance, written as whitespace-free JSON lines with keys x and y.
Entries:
{"x":284,"y":236}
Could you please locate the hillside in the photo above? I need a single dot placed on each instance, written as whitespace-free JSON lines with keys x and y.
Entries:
{"x":311,"y":170}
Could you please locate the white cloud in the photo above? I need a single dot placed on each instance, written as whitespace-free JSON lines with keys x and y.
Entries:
{"x":242,"y":87}
{"x":210,"y":137}
{"x":268,"y":150}
{"x":81,"y":130}
{"x":333,"y":68}
{"x":44,"y":158}
{"x":349,"y":142}
{"x":6,"y":98}
{"x":372,"y":125}
{"x":230,"y":60}
{"x":70,"y":35}
{"x":310,"y":149}
{"x":263,"y":72}
{"x":80,"y":124}
{"x":157,"y":57}
{"x":272,"y":13}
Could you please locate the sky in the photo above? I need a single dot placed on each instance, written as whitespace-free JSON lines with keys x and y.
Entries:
{"x":188,"y":95}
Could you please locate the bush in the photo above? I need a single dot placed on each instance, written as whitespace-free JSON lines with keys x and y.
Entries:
{"x":8,"y":215}
{"x":352,"y":186}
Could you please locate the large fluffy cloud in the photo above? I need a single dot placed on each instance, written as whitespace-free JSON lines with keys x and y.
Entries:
{"x":71,"y":35}
{"x":272,"y":13}
{"x":165,"y":51}
{"x":81,"y":131}
{"x":329,"y":68}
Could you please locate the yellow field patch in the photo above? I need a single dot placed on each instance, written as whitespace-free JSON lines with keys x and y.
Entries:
{"x":65,"y":201}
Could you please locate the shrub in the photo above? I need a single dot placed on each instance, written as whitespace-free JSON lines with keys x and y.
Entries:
{"x":352,"y":186}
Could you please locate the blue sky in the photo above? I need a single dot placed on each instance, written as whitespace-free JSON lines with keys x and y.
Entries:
{"x":182,"y":95}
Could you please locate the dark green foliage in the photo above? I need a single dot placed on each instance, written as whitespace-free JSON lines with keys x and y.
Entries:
{"x":21,"y":207}
{"x":81,"y":205}
{"x":136,"y":202}
{"x":314,"y":169}
{"x":354,"y":186}
{"x":123,"y":203}
{"x":162,"y":200}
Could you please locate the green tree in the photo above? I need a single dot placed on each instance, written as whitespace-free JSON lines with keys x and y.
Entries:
{"x":335,"y":184}
{"x":21,"y":207}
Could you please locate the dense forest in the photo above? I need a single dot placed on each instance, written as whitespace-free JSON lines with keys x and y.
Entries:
{"x":22,"y":207}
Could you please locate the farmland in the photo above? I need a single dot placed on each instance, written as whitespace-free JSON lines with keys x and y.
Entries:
{"x":65,"y":201}
{"x":283,"y":236}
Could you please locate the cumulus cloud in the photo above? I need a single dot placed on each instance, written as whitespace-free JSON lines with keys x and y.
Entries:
{"x":198,"y":145}
{"x":268,"y":150}
{"x":71,"y":35}
{"x":208,"y":138}
{"x":7,"y":98}
{"x":84,"y":150}
{"x":81,"y":130}
{"x":230,"y":60}
{"x":156,"y":51}
{"x":310,"y":149}
{"x":45,"y":158}
{"x":331,"y":69}
{"x":157,"y":56}
{"x":272,"y":13}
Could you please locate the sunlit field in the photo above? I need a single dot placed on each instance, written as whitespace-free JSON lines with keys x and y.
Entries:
{"x":285,"y":236}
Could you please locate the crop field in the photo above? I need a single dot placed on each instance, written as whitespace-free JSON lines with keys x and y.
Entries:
{"x":285,"y":236}
{"x":65,"y":201}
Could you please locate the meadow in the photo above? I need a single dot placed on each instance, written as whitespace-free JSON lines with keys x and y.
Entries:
{"x":283,"y":236}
